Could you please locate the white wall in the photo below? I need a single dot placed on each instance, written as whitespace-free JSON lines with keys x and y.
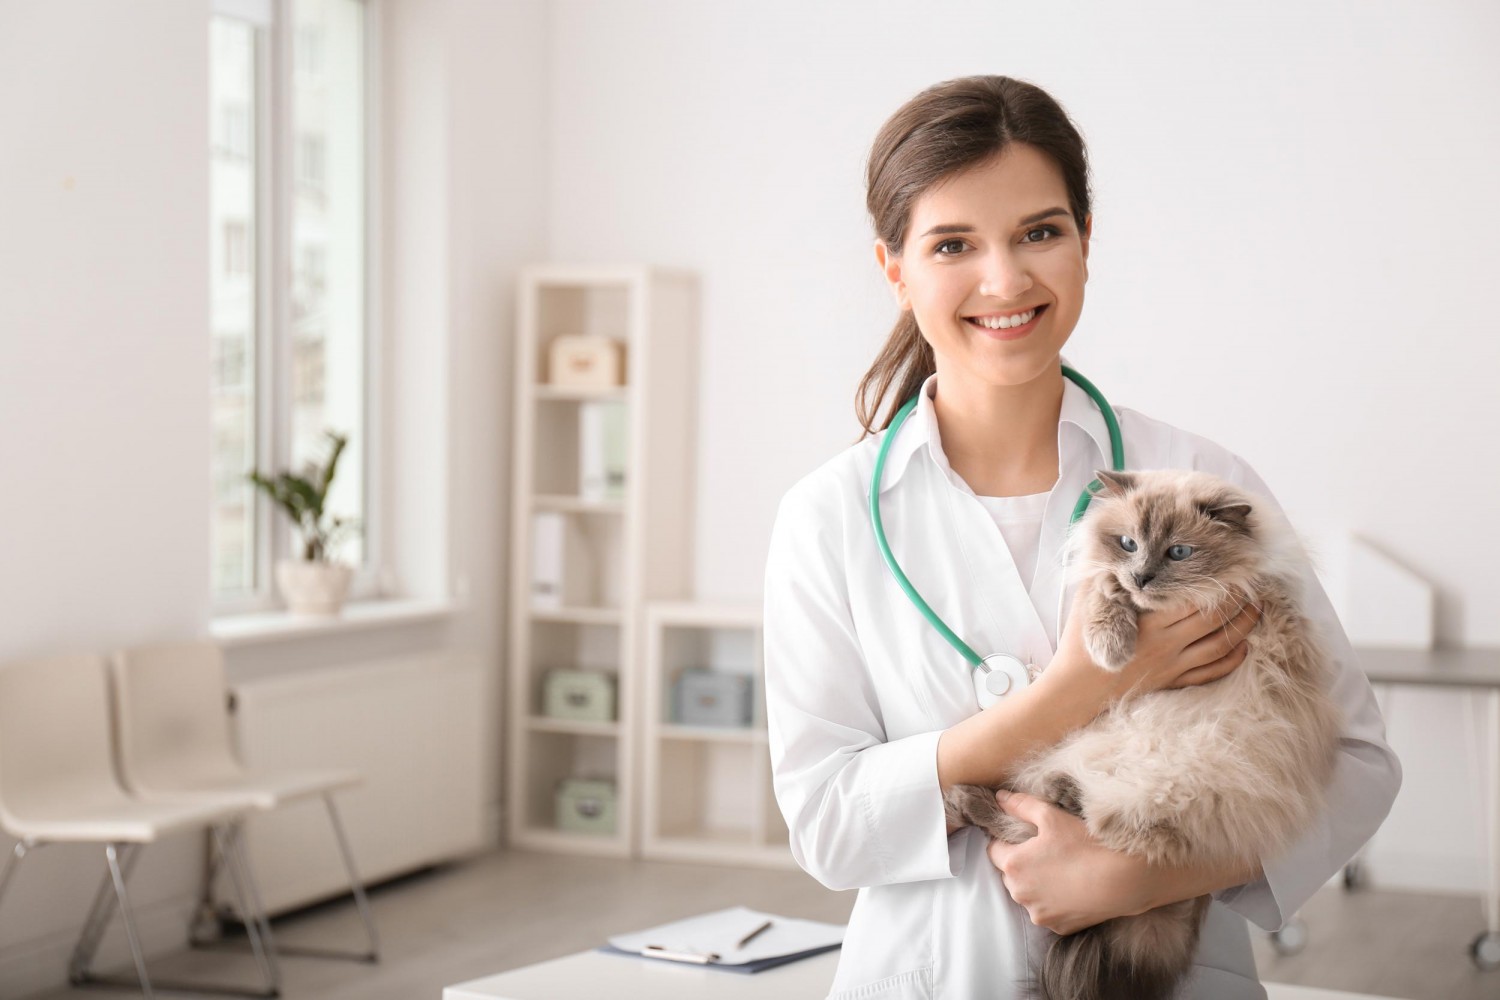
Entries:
{"x":104,"y":364}
{"x":1293,"y":213}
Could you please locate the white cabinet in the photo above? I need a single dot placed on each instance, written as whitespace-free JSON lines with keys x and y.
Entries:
{"x":621,"y":553}
{"x":707,"y":789}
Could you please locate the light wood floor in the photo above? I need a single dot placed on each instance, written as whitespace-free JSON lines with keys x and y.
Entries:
{"x":507,"y":909}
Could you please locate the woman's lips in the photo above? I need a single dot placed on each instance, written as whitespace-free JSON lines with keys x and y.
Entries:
{"x":1014,"y":333}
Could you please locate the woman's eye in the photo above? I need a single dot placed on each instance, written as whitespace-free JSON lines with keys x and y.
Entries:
{"x":1127,"y":543}
{"x":1179,"y":552}
{"x":945,"y":243}
{"x":1050,"y":231}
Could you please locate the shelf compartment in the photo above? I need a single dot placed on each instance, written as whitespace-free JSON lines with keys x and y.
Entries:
{"x":558,"y":429}
{"x":555,"y":756}
{"x":706,"y":790}
{"x":721,"y":650}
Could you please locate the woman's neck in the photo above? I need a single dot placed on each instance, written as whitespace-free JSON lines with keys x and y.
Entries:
{"x":1001,"y":440}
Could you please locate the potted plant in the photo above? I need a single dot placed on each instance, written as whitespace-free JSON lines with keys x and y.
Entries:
{"x":315,"y":584}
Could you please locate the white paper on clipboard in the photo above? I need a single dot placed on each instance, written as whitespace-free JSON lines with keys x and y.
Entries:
{"x":719,"y":933}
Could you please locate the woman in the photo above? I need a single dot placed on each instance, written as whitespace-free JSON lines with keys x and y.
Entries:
{"x":979,"y":193}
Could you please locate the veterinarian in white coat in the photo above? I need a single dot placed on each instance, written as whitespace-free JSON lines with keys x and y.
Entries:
{"x":864,"y":696}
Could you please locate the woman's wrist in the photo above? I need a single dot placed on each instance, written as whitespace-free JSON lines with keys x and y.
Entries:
{"x":1078,"y":689}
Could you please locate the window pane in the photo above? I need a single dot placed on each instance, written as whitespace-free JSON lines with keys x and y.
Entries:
{"x":328,"y":249}
{"x":232,"y":297}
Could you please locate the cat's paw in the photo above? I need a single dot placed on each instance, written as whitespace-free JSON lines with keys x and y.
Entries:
{"x":970,"y":805}
{"x":1111,"y":646}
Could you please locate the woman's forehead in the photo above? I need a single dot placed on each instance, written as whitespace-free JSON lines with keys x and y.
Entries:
{"x":1002,"y":191}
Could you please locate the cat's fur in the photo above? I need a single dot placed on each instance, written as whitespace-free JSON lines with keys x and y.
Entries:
{"x":1226,"y":772}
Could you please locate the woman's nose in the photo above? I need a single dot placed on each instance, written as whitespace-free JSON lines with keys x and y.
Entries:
{"x":1005,"y":276}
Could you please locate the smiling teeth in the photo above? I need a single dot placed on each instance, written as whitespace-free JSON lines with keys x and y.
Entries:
{"x":1004,"y":322}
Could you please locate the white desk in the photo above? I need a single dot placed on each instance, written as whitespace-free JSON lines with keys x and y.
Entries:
{"x":592,"y":975}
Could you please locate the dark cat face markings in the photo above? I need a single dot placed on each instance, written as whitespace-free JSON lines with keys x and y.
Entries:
{"x":1165,"y":545}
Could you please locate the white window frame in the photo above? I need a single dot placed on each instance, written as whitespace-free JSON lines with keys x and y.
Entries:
{"x":275,"y":192}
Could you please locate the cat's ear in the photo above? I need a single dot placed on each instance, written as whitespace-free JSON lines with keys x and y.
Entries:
{"x":1236,"y":515}
{"x":1115,"y":483}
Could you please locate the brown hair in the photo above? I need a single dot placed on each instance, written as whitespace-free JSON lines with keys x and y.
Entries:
{"x":942,"y":131}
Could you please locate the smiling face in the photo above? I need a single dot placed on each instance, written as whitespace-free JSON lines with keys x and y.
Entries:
{"x":984,"y":246}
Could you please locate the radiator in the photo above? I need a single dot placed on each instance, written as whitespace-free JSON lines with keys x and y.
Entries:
{"x":413,"y":727}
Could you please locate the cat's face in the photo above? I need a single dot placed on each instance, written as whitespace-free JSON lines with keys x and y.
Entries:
{"x":1171,"y":537}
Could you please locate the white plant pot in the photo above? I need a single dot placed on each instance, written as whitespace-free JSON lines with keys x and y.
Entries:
{"x":313,"y":588}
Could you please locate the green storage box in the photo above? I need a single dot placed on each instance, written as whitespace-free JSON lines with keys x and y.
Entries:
{"x":586,"y":805}
{"x":580,"y":695}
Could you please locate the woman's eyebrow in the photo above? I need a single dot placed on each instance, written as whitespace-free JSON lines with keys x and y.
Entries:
{"x":944,"y":230}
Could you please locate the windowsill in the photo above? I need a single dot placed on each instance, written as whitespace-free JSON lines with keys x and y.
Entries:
{"x":269,"y":626}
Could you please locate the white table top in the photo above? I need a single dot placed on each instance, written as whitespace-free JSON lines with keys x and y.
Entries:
{"x":593,"y":975}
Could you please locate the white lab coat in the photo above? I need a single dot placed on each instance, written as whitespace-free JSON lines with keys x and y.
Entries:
{"x":859,"y":686}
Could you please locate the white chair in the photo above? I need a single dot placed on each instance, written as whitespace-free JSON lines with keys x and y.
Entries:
{"x":58,"y":785}
{"x":175,"y":745}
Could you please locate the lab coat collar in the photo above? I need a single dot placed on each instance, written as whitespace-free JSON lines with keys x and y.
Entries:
{"x":921,"y":429}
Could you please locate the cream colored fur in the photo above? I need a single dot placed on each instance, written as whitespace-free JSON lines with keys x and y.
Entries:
{"x":1228,"y":772}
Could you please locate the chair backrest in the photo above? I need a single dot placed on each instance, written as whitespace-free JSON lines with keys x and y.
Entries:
{"x":54,"y":734}
{"x":171,"y":715}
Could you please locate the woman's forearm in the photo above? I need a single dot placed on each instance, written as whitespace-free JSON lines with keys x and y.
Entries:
{"x":983,"y":748}
{"x":1162,"y":886}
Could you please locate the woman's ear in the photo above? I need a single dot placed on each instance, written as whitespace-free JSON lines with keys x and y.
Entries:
{"x":1088,"y":231}
{"x":890,"y":267}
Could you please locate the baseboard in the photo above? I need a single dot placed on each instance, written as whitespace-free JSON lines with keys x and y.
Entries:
{"x":40,"y":965}
{"x":1457,"y":874}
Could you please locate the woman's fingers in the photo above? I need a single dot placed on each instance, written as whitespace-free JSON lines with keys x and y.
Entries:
{"x":1216,"y":669}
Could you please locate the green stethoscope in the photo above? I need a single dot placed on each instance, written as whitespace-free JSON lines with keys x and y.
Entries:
{"x":999,"y":673}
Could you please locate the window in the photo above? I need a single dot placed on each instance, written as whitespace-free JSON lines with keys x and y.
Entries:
{"x":291,"y":355}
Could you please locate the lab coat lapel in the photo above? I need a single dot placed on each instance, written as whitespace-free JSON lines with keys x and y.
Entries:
{"x":990,"y":596}
{"x":1082,"y":449}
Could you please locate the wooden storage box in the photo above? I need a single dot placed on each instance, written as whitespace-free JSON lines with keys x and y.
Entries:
{"x":703,"y":697}
{"x":586,"y":805}
{"x":581,"y":695}
{"x":586,"y":362}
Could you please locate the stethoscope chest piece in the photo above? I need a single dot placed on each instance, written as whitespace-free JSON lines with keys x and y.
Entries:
{"x":998,"y":675}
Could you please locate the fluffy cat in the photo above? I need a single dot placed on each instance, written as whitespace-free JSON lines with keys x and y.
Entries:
{"x":1228,"y":771}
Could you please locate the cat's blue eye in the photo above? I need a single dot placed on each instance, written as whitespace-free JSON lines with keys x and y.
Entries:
{"x":1127,"y":543}
{"x":1179,"y":552}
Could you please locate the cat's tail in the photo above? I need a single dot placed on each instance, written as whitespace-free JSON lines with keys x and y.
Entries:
{"x":1127,"y":958}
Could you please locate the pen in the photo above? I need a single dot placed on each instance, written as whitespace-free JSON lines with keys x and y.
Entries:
{"x":753,"y":934}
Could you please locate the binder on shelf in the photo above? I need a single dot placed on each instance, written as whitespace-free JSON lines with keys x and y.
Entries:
{"x":601,"y":450}
{"x":735,"y":940}
{"x":559,"y":562}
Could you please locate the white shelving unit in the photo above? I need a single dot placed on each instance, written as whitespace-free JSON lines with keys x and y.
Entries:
{"x":639,"y":548}
{"x":707,"y":789}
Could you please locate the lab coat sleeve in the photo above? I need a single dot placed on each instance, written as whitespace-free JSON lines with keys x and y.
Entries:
{"x":1366,"y":775}
{"x":861,"y":810}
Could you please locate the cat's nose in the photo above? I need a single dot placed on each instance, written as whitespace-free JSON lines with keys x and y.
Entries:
{"x":1141,"y":579}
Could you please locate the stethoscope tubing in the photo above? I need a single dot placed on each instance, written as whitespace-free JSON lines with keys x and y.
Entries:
{"x":1117,"y":460}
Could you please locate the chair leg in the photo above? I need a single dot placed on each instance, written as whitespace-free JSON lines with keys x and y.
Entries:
{"x":12,"y":863}
{"x":94,"y":929}
{"x":354,"y":882}
{"x":112,"y":855}
{"x":237,"y":850}
{"x":241,"y":878}
{"x":98,"y":917}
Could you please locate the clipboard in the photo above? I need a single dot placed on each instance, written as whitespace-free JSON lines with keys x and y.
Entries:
{"x":712,"y":940}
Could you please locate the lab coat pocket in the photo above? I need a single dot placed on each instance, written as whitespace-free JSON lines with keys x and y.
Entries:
{"x":913,"y":985}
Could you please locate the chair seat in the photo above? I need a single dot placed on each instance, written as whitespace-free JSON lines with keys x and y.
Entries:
{"x":258,"y":789}
{"x":104,"y":817}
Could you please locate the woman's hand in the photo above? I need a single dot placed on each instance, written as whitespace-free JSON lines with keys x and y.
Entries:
{"x":1065,"y":878}
{"x":1175,"y":647}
